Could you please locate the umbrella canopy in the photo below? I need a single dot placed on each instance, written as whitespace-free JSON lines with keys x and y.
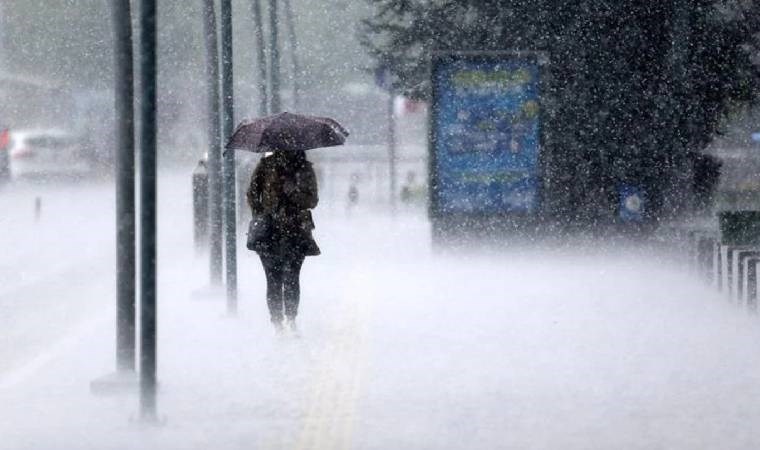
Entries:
{"x":288,"y":132}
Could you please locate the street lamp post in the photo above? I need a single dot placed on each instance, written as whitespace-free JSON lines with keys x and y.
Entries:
{"x":125,"y":377}
{"x":291,"y":26}
{"x":392,"y":149}
{"x":274,"y":58}
{"x":148,"y":133}
{"x":261,"y":59}
{"x":228,"y":119}
{"x":214,"y":143}
{"x":125,"y":187}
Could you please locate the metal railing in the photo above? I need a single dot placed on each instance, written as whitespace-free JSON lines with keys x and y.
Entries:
{"x":729,"y":265}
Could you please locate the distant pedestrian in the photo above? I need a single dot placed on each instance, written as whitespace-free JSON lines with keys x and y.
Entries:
{"x":409,"y":189}
{"x":283,"y":190}
{"x":353,"y":195}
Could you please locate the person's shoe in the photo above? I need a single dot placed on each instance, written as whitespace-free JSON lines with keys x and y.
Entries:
{"x":279,"y":327}
{"x":290,"y":326}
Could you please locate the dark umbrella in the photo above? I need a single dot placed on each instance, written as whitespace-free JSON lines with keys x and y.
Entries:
{"x":287,"y":131}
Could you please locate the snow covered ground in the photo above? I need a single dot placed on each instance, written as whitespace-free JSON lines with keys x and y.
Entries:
{"x":400,"y":348}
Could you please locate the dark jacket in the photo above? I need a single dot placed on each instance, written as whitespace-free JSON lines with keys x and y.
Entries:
{"x":284,"y":187}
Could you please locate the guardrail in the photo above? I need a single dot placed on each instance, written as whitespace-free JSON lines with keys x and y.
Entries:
{"x":727,"y":257}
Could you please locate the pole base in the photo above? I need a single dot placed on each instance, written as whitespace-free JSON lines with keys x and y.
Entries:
{"x":122,"y":382}
{"x":147,"y":421}
{"x":209,"y":292}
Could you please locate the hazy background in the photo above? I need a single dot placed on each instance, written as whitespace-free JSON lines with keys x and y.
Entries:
{"x":56,"y":68}
{"x":565,"y":343}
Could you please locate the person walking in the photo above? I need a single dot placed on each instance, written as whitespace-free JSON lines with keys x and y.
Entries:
{"x":282,"y":192}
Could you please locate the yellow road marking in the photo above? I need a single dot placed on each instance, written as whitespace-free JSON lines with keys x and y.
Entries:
{"x":331,"y":416}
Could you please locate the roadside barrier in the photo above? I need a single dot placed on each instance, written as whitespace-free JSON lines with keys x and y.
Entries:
{"x":750,"y":277}
{"x":727,"y":258}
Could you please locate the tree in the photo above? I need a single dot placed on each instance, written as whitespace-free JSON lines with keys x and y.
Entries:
{"x":633,"y":86}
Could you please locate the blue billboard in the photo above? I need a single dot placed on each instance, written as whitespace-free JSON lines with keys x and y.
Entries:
{"x":485,"y":134}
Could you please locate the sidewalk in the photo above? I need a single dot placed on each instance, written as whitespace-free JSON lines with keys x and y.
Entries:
{"x":224,"y":382}
{"x":401,"y":350}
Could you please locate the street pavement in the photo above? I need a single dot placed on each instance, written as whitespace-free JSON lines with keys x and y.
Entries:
{"x":398,"y":346}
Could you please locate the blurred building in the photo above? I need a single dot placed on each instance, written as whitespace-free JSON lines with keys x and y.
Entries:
{"x":28,"y":102}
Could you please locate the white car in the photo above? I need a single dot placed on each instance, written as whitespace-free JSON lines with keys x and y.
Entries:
{"x":47,"y":152}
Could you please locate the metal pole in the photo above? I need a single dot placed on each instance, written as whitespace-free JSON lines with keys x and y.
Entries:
{"x":290,"y":21}
{"x":228,"y":116}
{"x":274,"y":58}
{"x":214,"y":143}
{"x":680,"y":89}
{"x":3,"y":55}
{"x":392,"y":151}
{"x":261,"y":60}
{"x":125,"y":187}
{"x":148,"y":210}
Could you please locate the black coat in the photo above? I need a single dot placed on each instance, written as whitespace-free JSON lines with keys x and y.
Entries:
{"x":284,"y":188}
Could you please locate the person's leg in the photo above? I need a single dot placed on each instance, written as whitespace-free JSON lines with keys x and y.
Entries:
{"x":292,"y":286}
{"x":274,"y":274}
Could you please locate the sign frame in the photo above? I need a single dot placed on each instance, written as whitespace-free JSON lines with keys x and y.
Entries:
{"x":435,"y":209}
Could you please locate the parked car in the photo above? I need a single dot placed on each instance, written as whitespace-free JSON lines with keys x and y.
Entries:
{"x":48,"y":152}
{"x":5,"y":164}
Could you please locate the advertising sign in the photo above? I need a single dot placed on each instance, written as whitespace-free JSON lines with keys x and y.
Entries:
{"x":485,"y":136}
